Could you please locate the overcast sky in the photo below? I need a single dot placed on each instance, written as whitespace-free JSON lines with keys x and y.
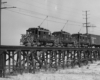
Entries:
{"x":31,"y":13}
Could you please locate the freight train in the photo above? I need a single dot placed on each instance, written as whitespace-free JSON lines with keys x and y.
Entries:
{"x":43,"y":37}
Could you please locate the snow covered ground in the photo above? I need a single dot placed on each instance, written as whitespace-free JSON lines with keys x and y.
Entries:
{"x":88,"y":72}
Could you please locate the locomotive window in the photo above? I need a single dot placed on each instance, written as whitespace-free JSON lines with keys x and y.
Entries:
{"x":39,"y":33}
{"x":35,"y":31}
{"x":80,"y":37}
{"x":49,"y":33}
{"x":83,"y":38}
{"x":67,"y":36}
{"x":30,"y":32}
{"x":27,"y":32}
{"x":46,"y":33}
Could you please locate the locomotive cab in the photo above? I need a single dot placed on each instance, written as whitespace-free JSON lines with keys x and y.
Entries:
{"x":82,"y":40}
{"x":62,"y":38}
{"x":37,"y":36}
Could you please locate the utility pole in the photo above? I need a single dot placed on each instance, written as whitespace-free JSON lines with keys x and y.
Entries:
{"x":0,"y":22}
{"x":86,"y":22}
{"x":0,"y":15}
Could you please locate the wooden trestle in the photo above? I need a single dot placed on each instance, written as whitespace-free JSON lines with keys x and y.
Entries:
{"x":19,"y":59}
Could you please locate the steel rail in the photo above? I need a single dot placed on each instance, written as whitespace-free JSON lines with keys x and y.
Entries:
{"x":3,"y":47}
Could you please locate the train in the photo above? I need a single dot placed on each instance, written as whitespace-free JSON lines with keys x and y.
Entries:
{"x":44,"y":38}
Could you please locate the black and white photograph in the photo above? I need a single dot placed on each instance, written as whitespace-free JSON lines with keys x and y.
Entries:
{"x":49,"y":39}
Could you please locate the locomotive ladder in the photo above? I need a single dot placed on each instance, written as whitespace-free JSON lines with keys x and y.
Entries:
{"x":20,"y":59}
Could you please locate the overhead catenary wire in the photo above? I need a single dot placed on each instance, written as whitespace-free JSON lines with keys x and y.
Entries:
{"x":34,"y":16}
{"x":3,"y":3}
{"x":46,"y":15}
{"x":42,"y":8}
{"x":40,"y":18}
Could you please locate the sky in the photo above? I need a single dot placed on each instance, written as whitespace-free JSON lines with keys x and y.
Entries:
{"x":32,"y":13}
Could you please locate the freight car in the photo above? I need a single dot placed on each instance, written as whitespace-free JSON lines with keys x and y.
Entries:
{"x":94,"y":40}
{"x":87,"y":40}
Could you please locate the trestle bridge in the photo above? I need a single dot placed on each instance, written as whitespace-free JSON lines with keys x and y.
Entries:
{"x":19,"y":59}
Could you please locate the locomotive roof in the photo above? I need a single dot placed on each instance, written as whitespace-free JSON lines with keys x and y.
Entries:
{"x":39,"y":29}
{"x":63,"y":32}
{"x":77,"y":33}
{"x":92,"y":34}
{"x":84,"y":35}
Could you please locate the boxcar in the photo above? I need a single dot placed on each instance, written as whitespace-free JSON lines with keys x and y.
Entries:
{"x":94,"y":39}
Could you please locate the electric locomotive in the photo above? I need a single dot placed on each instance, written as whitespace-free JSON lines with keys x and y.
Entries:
{"x":62,"y":39}
{"x":82,"y":40}
{"x":37,"y":37}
